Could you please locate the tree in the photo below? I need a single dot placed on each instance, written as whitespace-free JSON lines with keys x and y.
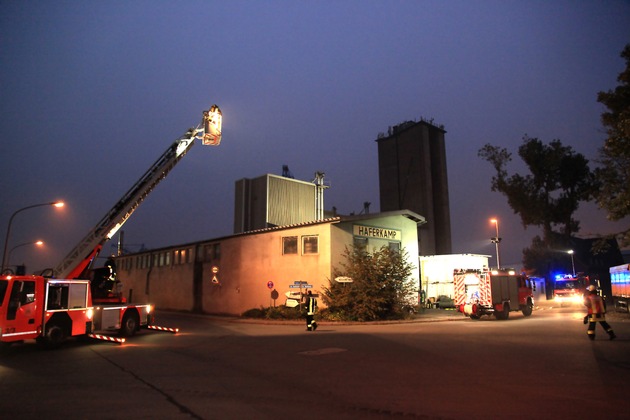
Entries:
{"x":380,"y":289}
{"x":548,"y":197}
{"x":614,"y":156}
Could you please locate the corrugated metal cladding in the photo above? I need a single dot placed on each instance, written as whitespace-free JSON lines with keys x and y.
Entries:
{"x":290,"y":201}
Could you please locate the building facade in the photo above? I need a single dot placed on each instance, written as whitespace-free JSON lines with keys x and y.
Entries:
{"x":412,"y":175}
{"x":233,"y":274}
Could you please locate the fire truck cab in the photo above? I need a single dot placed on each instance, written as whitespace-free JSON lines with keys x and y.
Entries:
{"x":49,"y":311}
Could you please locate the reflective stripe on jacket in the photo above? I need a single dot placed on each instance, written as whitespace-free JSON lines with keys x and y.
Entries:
{"x":311,"y":305}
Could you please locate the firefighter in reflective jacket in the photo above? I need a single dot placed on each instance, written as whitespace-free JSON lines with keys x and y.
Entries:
{"x":596,"y":313}
{"x":311,"y":306}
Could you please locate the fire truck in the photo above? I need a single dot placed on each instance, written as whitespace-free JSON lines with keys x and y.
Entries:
{"x":569,"y":289}
{"x":63,"y":303}
{"x":496,"y":292}
{"x":620,"y":285}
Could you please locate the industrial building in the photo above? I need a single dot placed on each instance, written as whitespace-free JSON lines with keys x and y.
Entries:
{"x":258,"y":268}
{"x":412,"y":175}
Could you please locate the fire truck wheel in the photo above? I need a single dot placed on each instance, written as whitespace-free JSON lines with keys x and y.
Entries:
{"x":505,"y":313}
{"x":527,"y":309}
{"x":129,"y":325}
{"x":55,"y":335}
{"x":473,"y":316}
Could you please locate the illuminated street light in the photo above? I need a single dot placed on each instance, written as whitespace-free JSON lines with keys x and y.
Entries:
{"x":38,"y":243}
{"x":570,"y":252}
{"x":496,"y":241}
{"x":6,"y":239}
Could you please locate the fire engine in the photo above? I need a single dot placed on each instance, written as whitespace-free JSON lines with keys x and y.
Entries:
{"x":620,"y":285}
{"x":496,"y":292}
{"x":569,"y":289}
{"x":51,"y":308}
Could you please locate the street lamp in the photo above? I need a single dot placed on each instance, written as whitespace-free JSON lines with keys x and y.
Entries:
{"x":6,"y":239}
{"x":38,"y":243}
{"x":496,"y":241}
{"x":570,"y":252}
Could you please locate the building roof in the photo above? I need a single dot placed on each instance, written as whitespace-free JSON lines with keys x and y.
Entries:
{"x":420,"y":220}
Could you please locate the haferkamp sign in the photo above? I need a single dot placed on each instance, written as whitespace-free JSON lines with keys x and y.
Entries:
{"x":376,"y":232}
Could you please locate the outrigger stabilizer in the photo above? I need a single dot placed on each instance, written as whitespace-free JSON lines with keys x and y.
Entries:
{"x":121,"y":340}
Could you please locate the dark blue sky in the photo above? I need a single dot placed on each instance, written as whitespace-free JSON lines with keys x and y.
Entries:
{"x":93,"y":92}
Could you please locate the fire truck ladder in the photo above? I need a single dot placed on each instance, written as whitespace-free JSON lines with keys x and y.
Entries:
{"x":82,"y":256}
{"x":86,"y":251}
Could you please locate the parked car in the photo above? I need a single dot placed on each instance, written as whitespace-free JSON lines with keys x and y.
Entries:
{"x":444,"y":302}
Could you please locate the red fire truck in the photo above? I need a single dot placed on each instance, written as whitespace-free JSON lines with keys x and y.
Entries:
{"x":569,"y":289}
{"x":496,"y":292}
{"x":52,"y":308}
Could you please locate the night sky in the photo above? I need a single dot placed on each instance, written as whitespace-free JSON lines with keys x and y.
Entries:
{"x":94,"y":92}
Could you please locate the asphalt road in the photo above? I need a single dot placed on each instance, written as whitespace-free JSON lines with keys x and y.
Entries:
{"x":451,"y":367}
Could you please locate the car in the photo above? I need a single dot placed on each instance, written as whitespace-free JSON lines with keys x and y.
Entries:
{"x":444,"y":302}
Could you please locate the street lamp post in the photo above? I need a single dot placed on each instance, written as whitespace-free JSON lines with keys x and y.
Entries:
{"x":570,"y":252}
{"x":38,"y":243}
{"x":6,"y":239}
{"x":496,"y":241}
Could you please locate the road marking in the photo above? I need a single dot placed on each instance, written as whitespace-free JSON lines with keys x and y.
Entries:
{"x":319,"y":352}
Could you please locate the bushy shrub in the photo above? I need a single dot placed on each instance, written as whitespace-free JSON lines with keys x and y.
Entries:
{"x":274,"y":312}
{"x":381,"y":288}
{"x":254,"y":313}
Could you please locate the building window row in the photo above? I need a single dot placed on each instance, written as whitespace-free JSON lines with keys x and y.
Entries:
{"x":211,"y":252}
{"x":310,"y":245}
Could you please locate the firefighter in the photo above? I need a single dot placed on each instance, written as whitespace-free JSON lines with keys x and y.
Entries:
{"x":596,"y":313}
{"x":311,"y":306}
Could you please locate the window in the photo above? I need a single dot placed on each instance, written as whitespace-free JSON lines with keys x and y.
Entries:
{"x":3,"y":289}
{"x":360,"y":243}
{"x":207,"y":253}
{"x":125,"y":263}
{"x":77,"y":297}
{"x":289,"y":245}
{"x":394,"y":247}
{"x":310,"y":244}
{"x":57,"y":296}
{"x":146,"y":259}
{"x":28,"y":292}
{"x":211,"y":252}
{"x":183,"y":256}
{"x":22,"y":293}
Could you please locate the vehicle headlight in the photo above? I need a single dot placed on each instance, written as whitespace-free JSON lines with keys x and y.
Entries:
{"x":90,"y":313}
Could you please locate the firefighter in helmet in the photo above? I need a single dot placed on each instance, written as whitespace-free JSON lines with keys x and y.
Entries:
{"x":311,"y":307}
{"x":596,"y":313}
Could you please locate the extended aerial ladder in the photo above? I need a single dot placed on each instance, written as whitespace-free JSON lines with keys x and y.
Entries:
{"x":80,"y":259}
